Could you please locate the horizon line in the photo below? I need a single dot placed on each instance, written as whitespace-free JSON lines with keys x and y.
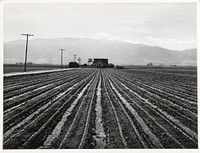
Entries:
{"x":136,"y":43}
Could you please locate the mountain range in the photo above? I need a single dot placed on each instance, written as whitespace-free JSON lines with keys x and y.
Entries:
{"x":117,"y":52}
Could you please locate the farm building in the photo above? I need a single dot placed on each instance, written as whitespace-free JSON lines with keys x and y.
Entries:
{"x":100,"y":63}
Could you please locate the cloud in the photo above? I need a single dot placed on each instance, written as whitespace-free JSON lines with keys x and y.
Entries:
{"x":170,"y":40}
{"x":137,"y":30}
{"x":126,"y":40}
{"x":109,"y":37}
{"x":171,"y":43}
{"x":187,"y":42}
{"x":115,"y":38}
{"x":103,"y":35}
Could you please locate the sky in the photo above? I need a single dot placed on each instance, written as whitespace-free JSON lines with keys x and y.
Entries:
{"x":168,"y":25}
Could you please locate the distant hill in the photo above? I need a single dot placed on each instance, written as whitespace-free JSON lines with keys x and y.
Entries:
{"x":118,"y":52}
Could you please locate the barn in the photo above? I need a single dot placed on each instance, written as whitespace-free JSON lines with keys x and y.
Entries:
{"x":100,"y":63}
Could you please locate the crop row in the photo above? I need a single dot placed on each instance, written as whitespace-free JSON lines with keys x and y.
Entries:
{"x":96,"y":108}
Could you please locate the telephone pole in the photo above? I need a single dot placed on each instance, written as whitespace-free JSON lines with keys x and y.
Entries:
{"x":75,"y":58}
{"x":61,"y":58}
{"x":27,"y":35}
{"x":79,"y":61}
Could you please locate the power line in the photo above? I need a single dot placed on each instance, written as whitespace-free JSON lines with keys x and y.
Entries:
{"x":27,"y":35}
{"x":61,"y":58}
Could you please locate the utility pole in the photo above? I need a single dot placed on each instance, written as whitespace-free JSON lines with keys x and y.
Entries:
{"x":75,"y":58}
{"x":79,"y":61}
{"x":27,"y":35}
{"x":61,"y":58}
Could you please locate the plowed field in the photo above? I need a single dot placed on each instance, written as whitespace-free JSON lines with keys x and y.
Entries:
{"x":100,"y":108}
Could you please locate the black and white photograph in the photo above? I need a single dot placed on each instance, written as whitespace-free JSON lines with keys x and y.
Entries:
{"x":99,"y":75}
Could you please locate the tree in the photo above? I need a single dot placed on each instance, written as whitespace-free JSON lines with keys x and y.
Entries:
{"x":110,"y":65}
{"x":119,"y":67}
{"x":73,"y":65}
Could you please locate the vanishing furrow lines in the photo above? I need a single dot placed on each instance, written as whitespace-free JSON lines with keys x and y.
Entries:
{"x":22,"y":99}
{"x":39,"y":121}
{"x":190,"y":134}
{"x":15,"y":116}
{"x":99,"y":129}
{"x":136,"y":140}
{"x":155,"y":141}
{"x":187,"y":111}
{"x":36,"y":84}
{"x":142,"y":83}
{"x":58,"y":129}
{"x":80,"y":121}
{"x":29,"y":80}
{"x":147,"y":77}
